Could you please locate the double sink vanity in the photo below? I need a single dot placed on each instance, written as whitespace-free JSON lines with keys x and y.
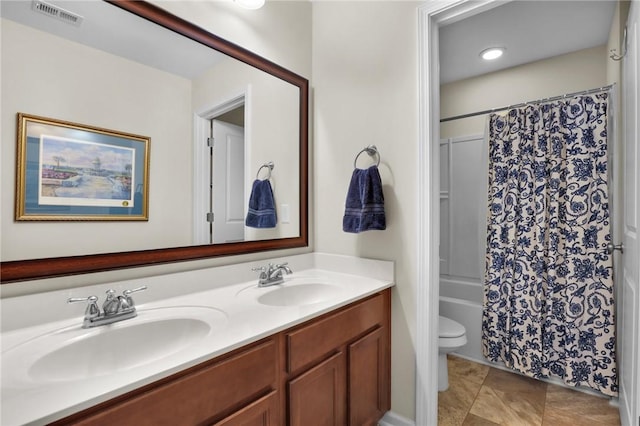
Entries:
{"x":210,"y":346}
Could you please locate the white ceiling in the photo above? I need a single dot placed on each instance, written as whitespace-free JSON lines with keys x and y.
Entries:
{"x":530,"y":30}
{"x":113,"y":30}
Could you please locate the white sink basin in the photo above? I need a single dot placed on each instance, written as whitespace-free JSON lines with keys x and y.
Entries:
{"x":297,"y":295}
{"x":294,"y":292}
{"x":73,"y":353}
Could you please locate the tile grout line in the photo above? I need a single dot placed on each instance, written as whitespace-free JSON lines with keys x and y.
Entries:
{"x":476,"y":396}
{"x":544,"y":404}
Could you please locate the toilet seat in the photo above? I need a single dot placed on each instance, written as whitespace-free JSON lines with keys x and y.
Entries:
{"x":449,"y":328}
{"x":451,"y":334}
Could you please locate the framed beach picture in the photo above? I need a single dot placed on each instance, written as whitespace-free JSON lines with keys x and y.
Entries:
{"x":69,"y":171}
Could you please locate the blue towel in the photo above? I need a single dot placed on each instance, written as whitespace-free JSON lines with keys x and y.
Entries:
{"x":262,"y":207}
{"x":364,"y":209}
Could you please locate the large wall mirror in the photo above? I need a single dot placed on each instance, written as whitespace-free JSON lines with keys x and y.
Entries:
{"x":132,"y":67}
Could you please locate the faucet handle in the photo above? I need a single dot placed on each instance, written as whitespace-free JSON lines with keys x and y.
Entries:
{"x":82,"y":299}
{"x":91,"y":299}
{"x":261,"y":269}
{"x":283,"y":268}
{"x":135,"y":290}
{"x":92,"y":310}
{"x":127,"y":300}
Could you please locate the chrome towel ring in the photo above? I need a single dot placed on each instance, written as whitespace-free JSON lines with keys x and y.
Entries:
{"x":371,"y":150}
{"x":269,"y":166}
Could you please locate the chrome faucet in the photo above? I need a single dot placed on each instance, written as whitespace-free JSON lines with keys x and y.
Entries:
{"x":114,"y":308}
{"x":272,"y":274}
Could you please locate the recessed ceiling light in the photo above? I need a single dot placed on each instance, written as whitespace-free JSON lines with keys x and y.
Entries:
{"x":250,"y":4}
{"x":492,"y":53}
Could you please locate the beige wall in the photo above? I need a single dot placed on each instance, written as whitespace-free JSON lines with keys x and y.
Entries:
{"x":271,"y":133}
{"x":365,"y":85}
{"x":541,"y":79}
{"x":53,"y":77}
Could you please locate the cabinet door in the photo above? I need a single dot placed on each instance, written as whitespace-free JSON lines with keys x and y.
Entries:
{"x":263,"y":412}
{"x":318,"y":396}
{"x":368,"y":379}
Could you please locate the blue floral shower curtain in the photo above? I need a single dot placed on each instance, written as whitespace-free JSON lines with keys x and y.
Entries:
{"x":548,"y":294}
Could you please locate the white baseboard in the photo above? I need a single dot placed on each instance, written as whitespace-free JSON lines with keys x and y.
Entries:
{"x":393,"y":419}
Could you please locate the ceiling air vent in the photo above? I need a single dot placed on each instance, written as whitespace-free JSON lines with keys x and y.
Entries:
{"x":56,"y":12}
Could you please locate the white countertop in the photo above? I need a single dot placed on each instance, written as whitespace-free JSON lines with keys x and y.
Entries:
{"x":241,"y":320}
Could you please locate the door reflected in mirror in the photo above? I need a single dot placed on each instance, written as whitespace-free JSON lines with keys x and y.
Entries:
{"x":227,"y":181}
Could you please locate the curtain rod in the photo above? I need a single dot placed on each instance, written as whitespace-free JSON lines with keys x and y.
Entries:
{"x":555,"y":98}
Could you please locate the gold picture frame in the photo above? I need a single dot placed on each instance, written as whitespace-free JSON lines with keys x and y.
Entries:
{"x":74,"y":172}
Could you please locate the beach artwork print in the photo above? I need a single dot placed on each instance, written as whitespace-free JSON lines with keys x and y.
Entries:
{"x":83,"y":173}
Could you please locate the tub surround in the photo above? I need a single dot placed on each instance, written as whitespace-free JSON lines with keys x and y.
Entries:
{"x":232,"y":290}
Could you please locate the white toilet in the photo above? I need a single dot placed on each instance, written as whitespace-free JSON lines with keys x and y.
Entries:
{"x":451,"y":336}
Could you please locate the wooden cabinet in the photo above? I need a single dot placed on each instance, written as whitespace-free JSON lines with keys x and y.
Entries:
{"x":317,"y":397}
{"x":202,"y":395}
{"x":341,"y":360}
{"x":262,"y":412}
{"x":369,"y":378}
{"x":333,"y":370}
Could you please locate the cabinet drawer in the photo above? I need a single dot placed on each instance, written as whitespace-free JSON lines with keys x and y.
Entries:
{"x":263,"y":412}
{"x":313,"y":342}
{"x":201,"y":396}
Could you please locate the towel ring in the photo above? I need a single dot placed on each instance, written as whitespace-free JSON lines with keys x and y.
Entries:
{"x":371,"y":150}
{"x":269,"y":166}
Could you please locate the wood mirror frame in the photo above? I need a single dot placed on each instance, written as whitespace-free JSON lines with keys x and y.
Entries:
{"x":30,"y":269}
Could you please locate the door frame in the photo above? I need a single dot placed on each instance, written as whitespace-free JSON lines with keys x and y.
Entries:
{"x":430,"y":17}
{"x":630,"y":351}
{"x":201,"y":131}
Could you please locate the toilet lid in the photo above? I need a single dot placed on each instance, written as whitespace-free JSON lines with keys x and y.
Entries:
{"x":449,"y":328}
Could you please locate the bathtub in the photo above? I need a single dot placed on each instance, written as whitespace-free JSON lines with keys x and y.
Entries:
{"x":461,"y":300}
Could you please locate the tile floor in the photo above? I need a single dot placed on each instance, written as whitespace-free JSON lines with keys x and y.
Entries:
{"x":480,"y":395}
